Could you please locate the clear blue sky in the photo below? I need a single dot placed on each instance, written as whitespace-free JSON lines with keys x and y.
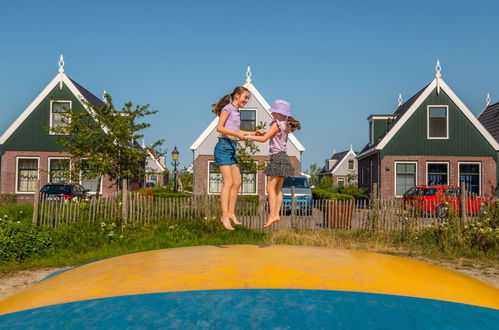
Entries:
{"x":336,"y":62}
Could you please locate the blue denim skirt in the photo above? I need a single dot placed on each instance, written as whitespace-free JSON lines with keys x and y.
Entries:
{"x":225,"y":152}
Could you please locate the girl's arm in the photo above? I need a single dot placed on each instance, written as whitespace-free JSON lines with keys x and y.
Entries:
{"x":225,"y":131}
{"x":270,"y":133}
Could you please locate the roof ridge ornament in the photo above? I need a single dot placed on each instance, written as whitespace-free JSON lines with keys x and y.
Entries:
{"x":400,"y":100}
{"x":351,"y":147}
{"x":487,"y":100}
{"x":61,"y":70}
{"x":248,"y":75}
{"x":438,"y":75}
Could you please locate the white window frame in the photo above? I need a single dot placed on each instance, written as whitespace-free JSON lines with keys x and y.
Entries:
{"x":17,"y":175}
{"x":256,"y":181}
{"x":353,"y":164}
{"x":50,"y":115}
{"x":395,"y":175}
{"x":428,"y":121}
{"x":48,"y":163}
{"x":80,"y":181}
{"x":479,"y":174}
{"x":250,"y":109}
{"x":448,"y":171}
{"x":338,"y":181}
{"x":208,"y":179}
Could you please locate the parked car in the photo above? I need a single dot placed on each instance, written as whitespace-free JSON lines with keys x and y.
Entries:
{"x":67,"y":191}
{"x":303,"y":195}
{"x":438,"y":200}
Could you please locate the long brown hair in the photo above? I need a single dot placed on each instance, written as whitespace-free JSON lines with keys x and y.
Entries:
{"x":218,"y":106}
{"x":292,"y":124}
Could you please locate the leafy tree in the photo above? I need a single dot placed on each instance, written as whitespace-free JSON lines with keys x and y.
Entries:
{"x":313,"y":171}
{"x":102,"y":140}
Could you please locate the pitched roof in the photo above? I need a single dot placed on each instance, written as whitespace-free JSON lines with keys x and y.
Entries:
{"x":489,"y":118}
{"x":256,"y":94}
{"x":405,"y":111}
{"x":61,"y":78}
{"x":339,"y":157}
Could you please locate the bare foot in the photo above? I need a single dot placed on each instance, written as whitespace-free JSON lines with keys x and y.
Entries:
{"x":270,"y":221}
{"x":227,"y":224}
{"x":233,"y":218}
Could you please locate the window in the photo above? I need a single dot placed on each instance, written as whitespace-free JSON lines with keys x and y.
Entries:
{"x":405,"y":177}
{"x":248,"y":186}
{"x":350,"y":164}
{"x":438,"y":122}
{"x":248,"y":119}
{"x":437,"y":174}
{"x":88,"y":182}
{"x":58,"y":170}
{"x":470,"y":175}
{"x":214,"y":179}
{"x":27,"y":174}
{"x":341,"y":182}
{"x":57,"y":111}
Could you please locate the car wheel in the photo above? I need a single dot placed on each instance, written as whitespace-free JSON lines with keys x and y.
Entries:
{"x":441,"y":211}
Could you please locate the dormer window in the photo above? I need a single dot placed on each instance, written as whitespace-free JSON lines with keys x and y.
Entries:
{"x":248,"y":119}
{"x":438,"y":122}
{"x":58,"y":109}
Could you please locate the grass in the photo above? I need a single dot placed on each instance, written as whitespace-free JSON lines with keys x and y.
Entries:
{"x":82,"y":242}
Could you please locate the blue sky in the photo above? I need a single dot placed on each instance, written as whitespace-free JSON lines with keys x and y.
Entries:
{"x":336,"y":62}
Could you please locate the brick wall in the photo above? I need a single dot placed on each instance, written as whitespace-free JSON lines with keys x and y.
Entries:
{"x":8,"y":172}
{"x":201,"y":173}
{"x":488,"y":172}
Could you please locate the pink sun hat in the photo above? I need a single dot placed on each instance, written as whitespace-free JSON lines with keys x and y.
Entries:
{"x":282,"y":107}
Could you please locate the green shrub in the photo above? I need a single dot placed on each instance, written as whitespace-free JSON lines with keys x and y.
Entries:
{"x":20,"y":240}
{"x":318,"y":193}
{"x":160,"y":192}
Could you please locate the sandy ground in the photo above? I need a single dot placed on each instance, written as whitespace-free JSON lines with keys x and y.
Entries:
{"x":11,"y":283}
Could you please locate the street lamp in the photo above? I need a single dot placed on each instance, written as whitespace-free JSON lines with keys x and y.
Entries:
{"x":175,"y":163}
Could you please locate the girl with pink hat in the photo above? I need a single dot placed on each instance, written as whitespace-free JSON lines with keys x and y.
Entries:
{"x":279,"y":166}
{"x":229,"y":122}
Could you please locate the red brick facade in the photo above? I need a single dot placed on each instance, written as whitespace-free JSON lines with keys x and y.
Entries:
{"x":387,"y":171}
{"x":8,"y":173}
{"x":200,"y":184}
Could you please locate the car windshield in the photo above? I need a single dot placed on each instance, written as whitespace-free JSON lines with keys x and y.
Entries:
{"x":64,"y":190}
{"x":296,"y":182}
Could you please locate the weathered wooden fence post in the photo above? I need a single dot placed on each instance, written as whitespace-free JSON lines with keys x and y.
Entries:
{"x":36,"y":200}
{"x":463,"y":212}
{"x":375,"y":207}
{"x":124,"y":200}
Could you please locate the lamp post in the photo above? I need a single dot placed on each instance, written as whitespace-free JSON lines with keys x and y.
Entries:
{"x":175,"y":163}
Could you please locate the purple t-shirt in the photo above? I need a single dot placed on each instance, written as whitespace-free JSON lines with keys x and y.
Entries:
{"x":234,"y":120}
{"x":280,"y":139}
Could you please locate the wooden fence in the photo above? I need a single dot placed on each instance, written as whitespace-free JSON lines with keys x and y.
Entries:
{"x":360,"y":214}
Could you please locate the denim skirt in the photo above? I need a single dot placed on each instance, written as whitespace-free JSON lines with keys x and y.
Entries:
{"x":225,"y":152}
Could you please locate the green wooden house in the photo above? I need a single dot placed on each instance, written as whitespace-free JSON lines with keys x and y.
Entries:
{"x":28,"y":151}
{"x":432,"y":139}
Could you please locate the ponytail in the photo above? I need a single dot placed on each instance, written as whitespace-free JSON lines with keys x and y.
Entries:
{"x":220,"y":104}
{"x":292,"y":125}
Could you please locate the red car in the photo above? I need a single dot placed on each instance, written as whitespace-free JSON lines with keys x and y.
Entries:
{"x":439,"y":200}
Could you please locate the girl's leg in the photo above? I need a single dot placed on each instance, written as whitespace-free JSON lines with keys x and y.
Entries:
{"x":271,"y":191}
{"x":225,"y":195}
{"x":234,"y":192}
{"x":278,"y":190}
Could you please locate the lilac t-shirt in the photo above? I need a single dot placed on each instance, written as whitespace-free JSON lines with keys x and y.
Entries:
{"x":234,"y":120}
{"x":280,"y":139}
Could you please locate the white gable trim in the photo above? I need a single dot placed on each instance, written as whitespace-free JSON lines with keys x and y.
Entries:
{"x":15,"y":125}
{"x":156,"y":160}
{"x":343,"y":159}
{"x":405,"y":117}
{"x":57,"y":79}
{"x":205,"y":134}
{"x":266,"y":106}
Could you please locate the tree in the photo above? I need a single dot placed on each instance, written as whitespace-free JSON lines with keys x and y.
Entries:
{"x":102,"y":140}
{"x":313,"y":171}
